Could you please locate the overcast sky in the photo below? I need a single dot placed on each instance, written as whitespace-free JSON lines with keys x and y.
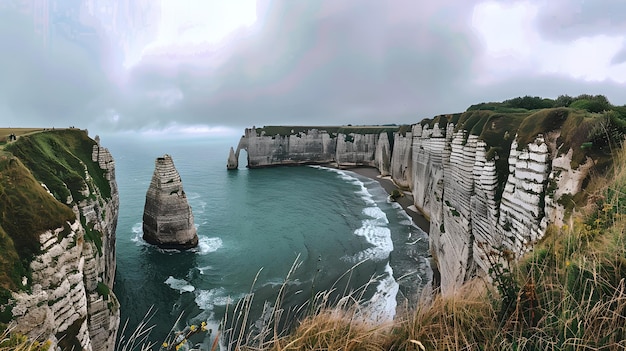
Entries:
{"x":214,"y":66}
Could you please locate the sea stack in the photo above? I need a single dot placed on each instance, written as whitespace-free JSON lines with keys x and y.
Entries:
{"x":167,"y":217}
{"x":232,"y":163}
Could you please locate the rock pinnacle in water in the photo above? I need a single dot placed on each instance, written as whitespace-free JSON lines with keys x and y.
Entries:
{"x":167,"y":217}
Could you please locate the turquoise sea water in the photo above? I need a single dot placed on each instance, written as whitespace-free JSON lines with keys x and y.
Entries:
{"x":257,"y":223}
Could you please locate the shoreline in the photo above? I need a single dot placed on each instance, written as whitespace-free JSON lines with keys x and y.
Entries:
{"x":405,"y":201}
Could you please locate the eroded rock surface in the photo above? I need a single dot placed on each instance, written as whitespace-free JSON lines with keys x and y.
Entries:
{"x":71,"y":301}
{"x":487,"y":182}
{"x":167,"y":216}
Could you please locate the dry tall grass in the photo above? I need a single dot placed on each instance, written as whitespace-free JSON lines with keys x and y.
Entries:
{"x":15,"y":342}
{"x":463,"y":321}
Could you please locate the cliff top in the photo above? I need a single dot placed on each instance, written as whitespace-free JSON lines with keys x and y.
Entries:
{"x":8,"y":135}
{"x":332,"y":130}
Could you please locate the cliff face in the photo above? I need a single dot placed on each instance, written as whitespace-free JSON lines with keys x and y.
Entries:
{"x":65,"y":293}
{"x":488,"y":182}
{"x":167,"y":217}
{"x":312,"y":146}
{"x":345,"y":147}
{"x":493,"y":192}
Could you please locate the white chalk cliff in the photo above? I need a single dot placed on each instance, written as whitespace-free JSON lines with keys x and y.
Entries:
{"x":71,"y":288}
{"x":479,"y":188}
{"x":313,"y":146}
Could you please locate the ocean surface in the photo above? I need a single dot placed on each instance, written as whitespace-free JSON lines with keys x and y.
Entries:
{"x":337,"y":227}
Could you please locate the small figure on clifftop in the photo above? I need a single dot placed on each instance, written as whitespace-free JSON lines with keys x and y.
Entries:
{"x":167,"y":216}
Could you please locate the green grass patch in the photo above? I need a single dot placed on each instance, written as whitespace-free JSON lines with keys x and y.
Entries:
{"x":592,"y":135}
{"x":91,"y":234}
{"x":103,"y":290}
{"x":11,"y":268}
{"x":56,"y":158}
{"x":26,"y":211}
{"x":5,"y":308}
{"x":441,"y":120}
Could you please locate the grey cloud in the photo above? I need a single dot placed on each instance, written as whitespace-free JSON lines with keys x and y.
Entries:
{"x":313,"y":62}
{"x":307,"y":62}
{"x":57,"y":84}
{"x":567,"y":20}
{"x":620,"y":57}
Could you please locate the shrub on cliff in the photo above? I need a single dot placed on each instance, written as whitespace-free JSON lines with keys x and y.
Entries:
{"x":396,"y":194}
{"x":587,"y":102}
{"x":17,"y":342}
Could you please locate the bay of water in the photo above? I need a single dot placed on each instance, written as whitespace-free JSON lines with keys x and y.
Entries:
{"x":253,"y":225}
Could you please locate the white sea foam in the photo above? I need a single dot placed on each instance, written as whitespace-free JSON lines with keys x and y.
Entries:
{"x":192,"y":196}
{"x":203,"y":269}
{"x":277,"y":282}
{"x":381,"y":307}
{"x":138,"y":234}
{"x":377,"y":235}
{"x":347,"y":177}
{"x":376,"y":213}
{"x":376,"y":232}
{"x":198,"y":206}
{"x":207,"y":245}
{"x":181,"y":285}
{"x":374,"y":229}
{"x":208,"y":299}
{"x":366,"y":195}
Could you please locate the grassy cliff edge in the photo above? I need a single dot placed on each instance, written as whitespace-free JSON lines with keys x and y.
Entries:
{"x":43,"y":174}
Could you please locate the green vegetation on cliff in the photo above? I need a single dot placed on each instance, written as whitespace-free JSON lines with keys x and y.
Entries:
{"x":590,"y":103}
{"x":591,"y":128}
{"x":26,"y":211}
{"x":59,"y":160}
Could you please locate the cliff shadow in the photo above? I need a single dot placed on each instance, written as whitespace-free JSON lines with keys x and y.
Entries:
{"x":164,"y":285}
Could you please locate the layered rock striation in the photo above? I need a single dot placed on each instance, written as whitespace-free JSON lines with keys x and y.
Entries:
{"x":340,"y":146}
{"x":167,"y":217}
{"x":65,"y":293}
{"x":489,"y":183}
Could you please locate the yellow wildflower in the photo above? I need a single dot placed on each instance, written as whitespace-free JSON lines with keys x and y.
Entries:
{"x":193,"y":327}
{"x":165,"y":345}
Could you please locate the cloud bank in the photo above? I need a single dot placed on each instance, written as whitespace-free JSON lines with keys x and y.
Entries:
{"x":304,"y":62}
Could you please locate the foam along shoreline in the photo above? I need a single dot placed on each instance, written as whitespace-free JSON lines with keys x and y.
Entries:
{"x":382,"y":305}
{"x":405,"y":201}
